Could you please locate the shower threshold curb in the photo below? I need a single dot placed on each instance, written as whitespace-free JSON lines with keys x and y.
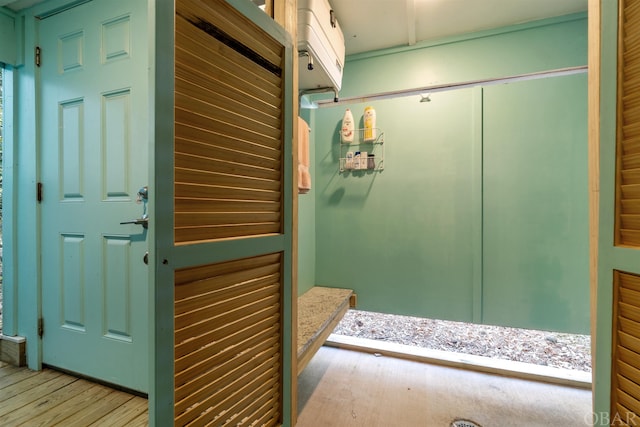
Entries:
{"x":527,"y":371}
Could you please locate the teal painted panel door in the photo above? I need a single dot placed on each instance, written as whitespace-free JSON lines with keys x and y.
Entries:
{"x":94,"y":159}
{"x":535,"y":205}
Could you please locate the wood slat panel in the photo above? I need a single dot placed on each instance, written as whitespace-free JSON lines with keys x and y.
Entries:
{"x":631,"y":11}
{"x":240,"y":218}
{"x":626,"y":326}
{"x":254,"y":400}
{"x":631,"y":130}
{"x":250,"y":337}
{"x":631,"y":53}
{"x":629,"y":311}
{"x":189,"y":190}
{"x":629,"y":295}
{"x":630,"y":207}
{"x":234,"y":24}
{"x":628,"y":356}
{"x":217,"y":387}
{"x":269,"y":415}
{"x":257,"y":89}
{"x":186,"y":117}
{"x":630,"y":161}
{"x":624,"y":414}
{"x":628,"y":401}
{"x":630,"y":84}
{"x":211,"y":97}
{"x":629,"y":237}
{"x":188,"y":95}
{"x":195,"y":176}
{"x":630,"y":191}
{"x":213,"y":403}
{"x":204,"y":272}
{"x":632,"y":70}
{"x":630,"y":281}
{"x":229,"y":124}
{"x":218,"y":205}
{"x":252,"y":393}
{"x":631,"y":176}
{"x":187,"y":34}
{"x":202,"y":149}
{"x":627,"y":386}
{"x":228,"y":342}
{"x":228,"y":285}
{"x":197,"y":377}
{"x":627,"y":229}
{"x":629,"y":372}
{"x":629,"y":341}
{"x":237,"y":318}
{"x":186,"y":161}
{"x":222,"y":140}
{"x":228,"y":184}
{"x":630,"y":222}
{"x":216,"y":232}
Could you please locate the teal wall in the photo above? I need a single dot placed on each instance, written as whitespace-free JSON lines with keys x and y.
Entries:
{"x":409,"y":239}
{"x":540,"y":46}
{"x":535,"y":204}
{"x":8,"y":45}
{"x":400,"y":237}
{"x":20,"y":226}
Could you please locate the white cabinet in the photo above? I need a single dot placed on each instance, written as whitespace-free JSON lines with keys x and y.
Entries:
{"x":362,"y":156}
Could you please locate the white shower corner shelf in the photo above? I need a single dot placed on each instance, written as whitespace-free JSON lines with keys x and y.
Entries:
{"x":375,"y":146}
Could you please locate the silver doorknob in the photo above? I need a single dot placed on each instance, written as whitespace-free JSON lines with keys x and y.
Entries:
{"x":144,"y":221}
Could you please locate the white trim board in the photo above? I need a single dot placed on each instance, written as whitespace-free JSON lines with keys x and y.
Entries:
{"x":503,"y":367}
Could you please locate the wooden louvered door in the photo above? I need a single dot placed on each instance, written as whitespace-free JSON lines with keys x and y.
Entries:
{"x":625,"y":379}
{"x":628,"y":146}
{"x":230,"y":249}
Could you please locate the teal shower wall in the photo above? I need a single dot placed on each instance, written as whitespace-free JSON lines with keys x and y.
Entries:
{"x":400,"y":237}
{"x":535,"y":205}
{"x":412,"y":239}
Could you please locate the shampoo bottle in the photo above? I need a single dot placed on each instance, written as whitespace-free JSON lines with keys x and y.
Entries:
{"x":369,"y":124}
{"x":347,"y":130}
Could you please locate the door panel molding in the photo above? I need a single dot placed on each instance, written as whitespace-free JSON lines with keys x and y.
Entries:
{"x":94,"y":283}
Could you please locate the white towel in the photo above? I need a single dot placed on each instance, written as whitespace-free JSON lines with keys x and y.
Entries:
{"x":304,"y":177}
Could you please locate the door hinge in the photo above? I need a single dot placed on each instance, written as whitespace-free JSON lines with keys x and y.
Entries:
{"x":39,"y":192}
{"x":38,"y":56}
{"x":40,"y":327}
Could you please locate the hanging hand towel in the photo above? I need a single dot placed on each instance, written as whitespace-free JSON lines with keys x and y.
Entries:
{"x":304,"y":177}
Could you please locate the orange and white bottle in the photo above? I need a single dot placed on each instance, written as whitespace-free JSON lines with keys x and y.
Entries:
{"x":347,"y":130}
{"x":369,"y":124}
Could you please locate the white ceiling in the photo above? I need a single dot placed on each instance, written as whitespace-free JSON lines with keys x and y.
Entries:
{"x":378,"y":24}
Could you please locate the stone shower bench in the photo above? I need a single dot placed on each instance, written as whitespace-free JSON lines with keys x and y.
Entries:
{"x":320,"y":309}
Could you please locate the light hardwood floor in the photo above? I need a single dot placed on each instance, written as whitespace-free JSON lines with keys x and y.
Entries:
{"x":51,"y":398}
